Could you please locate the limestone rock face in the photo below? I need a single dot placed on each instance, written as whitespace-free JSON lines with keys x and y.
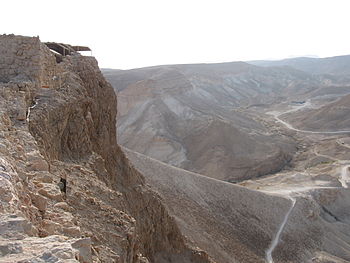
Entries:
{"x":58,"y":121}
{"x":18,"y":242}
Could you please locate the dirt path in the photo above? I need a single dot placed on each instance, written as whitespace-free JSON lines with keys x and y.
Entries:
{"x":288,"y":192}
{"x":276,"y":240}
{"x":277,"y":114}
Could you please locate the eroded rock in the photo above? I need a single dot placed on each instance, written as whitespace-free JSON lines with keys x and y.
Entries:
{"x":57,"y":121}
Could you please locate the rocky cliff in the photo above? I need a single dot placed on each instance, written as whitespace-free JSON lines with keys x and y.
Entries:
{"x":57,"y":123}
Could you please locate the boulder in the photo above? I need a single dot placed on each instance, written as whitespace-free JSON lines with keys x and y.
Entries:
{"x":39,"y":201}
{"x":49,"y":227}
{"x":63,"y":206}
{"x":40,"y":250}
{"x":84,"y":247}
{"x":15,"y":227}
{"x":38,"y":165}
{"x":51,"y":191}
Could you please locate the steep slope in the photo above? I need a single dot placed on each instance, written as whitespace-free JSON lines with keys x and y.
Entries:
{"x":58,"y":122}
{"x":234,"y":224}
{"x":168,"y":112}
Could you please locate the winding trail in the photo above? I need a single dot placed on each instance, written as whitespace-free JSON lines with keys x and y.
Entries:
{"x":277,"y":115}
{"x":289,"y":126}
{"x":276,"y":240}
{"x":325,"y":156}
{"x":344,"y":176}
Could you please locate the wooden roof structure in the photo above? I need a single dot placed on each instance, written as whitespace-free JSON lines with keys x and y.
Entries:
{"x":65,"y":49}
{"x":81,"y":48}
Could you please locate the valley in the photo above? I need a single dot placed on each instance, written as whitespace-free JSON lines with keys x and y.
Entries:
{"x":278,"y":131}
{"x":175,"y":132}
{"x":202,"y":163}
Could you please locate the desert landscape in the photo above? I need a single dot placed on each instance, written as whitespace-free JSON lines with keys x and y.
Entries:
{"x":225,"y":162}
{"x":211,"y":138}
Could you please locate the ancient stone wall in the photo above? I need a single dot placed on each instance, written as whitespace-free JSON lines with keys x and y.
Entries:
{"x":19,"y":58}
{"x":49,"y":72}
{"x":27,"y":59}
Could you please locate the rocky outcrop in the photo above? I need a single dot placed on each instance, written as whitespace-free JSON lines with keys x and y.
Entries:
{"x":57,"y":121}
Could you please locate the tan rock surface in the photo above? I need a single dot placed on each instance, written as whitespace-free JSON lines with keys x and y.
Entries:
{"x":70,"y":132}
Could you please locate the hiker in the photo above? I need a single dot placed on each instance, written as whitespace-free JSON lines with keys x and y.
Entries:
{"x":63,"y":184}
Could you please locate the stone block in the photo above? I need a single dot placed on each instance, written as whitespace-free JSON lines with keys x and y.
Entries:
{"x":38,"y":165}
{"x":51,"y":191}
{"x":63,"y":206}
{"x":84,"y":247}
{"x":39,"y":201}
{"x":73,"y":231}
{"x":50,"y":228}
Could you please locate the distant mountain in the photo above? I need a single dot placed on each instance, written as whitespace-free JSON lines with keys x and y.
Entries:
{"x":339,"y":65}
{"x":217,"y":120}
{"x":195,"y":116}
{"x":191,"y":116}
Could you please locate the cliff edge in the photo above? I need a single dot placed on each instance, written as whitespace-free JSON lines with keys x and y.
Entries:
{"x":67,"y":191}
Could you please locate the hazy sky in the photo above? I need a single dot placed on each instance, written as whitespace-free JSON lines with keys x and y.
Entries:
{"x":129,"y":33}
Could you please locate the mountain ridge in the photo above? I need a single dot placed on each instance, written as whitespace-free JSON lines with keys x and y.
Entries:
{"x":338,"y":65}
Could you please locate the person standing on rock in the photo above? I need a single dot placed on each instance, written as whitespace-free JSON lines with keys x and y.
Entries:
{"x":63,"y":184}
